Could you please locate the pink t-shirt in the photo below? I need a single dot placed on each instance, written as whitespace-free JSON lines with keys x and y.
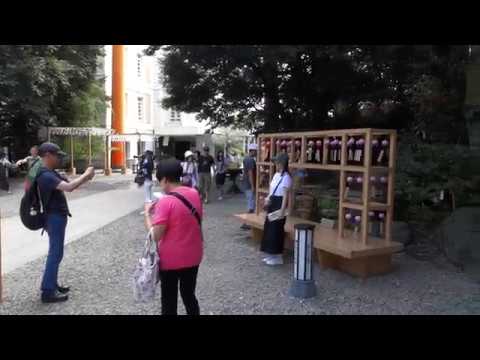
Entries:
{"x":181,"y":246}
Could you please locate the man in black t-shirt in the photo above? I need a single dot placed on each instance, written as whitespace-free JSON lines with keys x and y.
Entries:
{"x":52,"y":187}
{"x":205,"y":164}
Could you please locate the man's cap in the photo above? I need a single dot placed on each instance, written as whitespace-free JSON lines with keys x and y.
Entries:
{"x":252,"y":147}
{"x":281,"y":158}
{"x":188,"y":153}
{"x":50,"y":148}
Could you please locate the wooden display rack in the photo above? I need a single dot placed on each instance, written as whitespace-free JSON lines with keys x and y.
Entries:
{"x":355,"y":252}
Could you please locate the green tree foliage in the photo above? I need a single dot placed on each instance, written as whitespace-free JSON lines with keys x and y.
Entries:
{"x":37,"y":85}
{"x":286,"y":87}
{"x":87,"y":109}
{"x":418,"y":90}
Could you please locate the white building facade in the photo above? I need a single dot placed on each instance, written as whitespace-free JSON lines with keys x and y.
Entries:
{"x":151,"y":126}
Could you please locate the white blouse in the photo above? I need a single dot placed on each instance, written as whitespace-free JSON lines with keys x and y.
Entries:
{"x":286,"y":183}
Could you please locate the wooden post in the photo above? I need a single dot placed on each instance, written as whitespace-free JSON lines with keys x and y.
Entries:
{"x":108,"y":168}
{"x":1,"y":283}
{"x":303,"y":150}
{"x":343,"y":160}
{"x":257,"y":178}
{"x":123,"y":145}
{"x":325,"y":151}
{"x":272,"y":148}
{"x":291,"y":197}
{"x":367,"y":164}
{"x":341,"y":222}
{"x":89,"y":148}
{"x":72,"y":166}
{"x":392,"y":159}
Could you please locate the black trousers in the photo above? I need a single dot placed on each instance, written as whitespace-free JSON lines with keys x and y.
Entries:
{"x":188,"y":280}
{"x":4,"y":185}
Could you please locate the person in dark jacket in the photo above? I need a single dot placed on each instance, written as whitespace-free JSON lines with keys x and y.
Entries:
{"x":147,"y":170}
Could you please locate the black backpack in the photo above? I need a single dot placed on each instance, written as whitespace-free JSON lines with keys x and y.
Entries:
{"x":32,"y":209}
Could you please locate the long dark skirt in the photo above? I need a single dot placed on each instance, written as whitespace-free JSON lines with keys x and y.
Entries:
{"x":274,"y":231}
{"x":4,"y":185}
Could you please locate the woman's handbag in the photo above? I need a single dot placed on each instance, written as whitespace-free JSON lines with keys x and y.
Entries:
{"x":146,"y":274}
{"x":266,"y":204}
{"x":140,"y":179}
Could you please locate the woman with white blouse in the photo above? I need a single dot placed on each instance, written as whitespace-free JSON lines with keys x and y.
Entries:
{"x":276,"y":206}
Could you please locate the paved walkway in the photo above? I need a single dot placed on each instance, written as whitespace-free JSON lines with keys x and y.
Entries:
{"x":93,"y":206}
{"x":232,"y":278}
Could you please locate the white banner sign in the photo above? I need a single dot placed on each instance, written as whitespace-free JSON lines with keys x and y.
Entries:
{"x":132,"y":137}
{"x":71,"y":131}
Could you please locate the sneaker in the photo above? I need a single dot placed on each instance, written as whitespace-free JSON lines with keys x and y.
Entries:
{"x":275,"y":260}
{"x":265,"y":259}
{"x":53,"y":298}
{"x":63,"y":289}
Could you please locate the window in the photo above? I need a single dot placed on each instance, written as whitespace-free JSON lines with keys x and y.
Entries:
{"x":140,"y":108}
{"x":148,"y":104}
{"x":175,"y":116}
{"x":139,"y":65}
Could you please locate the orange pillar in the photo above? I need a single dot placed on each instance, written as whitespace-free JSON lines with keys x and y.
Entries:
{"x":118,"y":104}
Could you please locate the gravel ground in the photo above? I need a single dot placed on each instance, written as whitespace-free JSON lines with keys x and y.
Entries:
{"x":232,"y":279}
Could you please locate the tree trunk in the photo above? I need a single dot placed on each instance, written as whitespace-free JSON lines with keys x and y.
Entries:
{"x":274,"y":120}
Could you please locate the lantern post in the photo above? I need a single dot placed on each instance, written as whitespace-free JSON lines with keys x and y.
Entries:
{"x":303,"y":285}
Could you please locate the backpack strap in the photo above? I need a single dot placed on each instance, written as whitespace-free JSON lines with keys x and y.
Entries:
{"x":41,"y":170}
{"x":189,"y":205}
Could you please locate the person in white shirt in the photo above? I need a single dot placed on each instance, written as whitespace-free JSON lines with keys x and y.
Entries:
{"x":5,"y":165}
{"x":190,"y":171}
{"x":274,"y":230}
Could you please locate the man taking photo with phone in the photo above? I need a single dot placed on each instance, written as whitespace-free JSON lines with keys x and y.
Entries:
{"x":52,"y":188}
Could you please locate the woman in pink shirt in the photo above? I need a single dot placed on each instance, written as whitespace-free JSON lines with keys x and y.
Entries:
{"x":176,"y":222}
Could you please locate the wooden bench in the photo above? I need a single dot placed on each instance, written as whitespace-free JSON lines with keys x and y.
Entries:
{"x":347,"y":254}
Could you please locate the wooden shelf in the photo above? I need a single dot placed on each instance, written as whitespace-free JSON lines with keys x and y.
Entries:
{"x":377,"y":132}
{"x":377,"y":206}
{"x":323,"y":133}
{"x":354,"y":168}
{"x":352,"y":205}
{"x":310,"y":166}
{"x":357,"y":205}
{"x":333,"y":244}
